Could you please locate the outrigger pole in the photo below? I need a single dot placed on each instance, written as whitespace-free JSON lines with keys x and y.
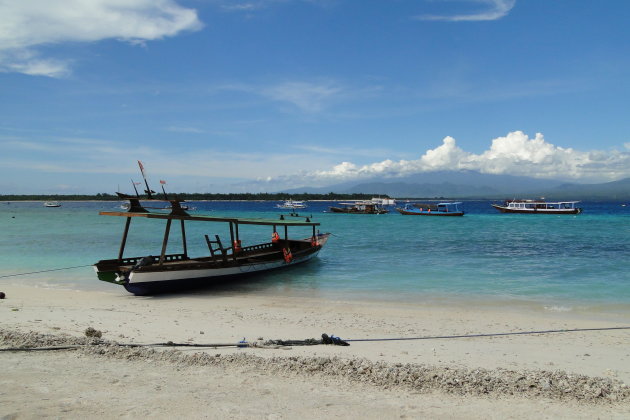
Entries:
{"x":163,"y":190}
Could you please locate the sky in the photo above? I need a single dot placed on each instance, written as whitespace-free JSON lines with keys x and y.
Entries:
{"x":265,"y":95}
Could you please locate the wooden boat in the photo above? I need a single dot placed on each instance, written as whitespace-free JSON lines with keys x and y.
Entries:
{"x":52,"y":204}
{"x":292,"y":204}
{"x":439,"y":209}
{"x":359,"y":207}
{"x":538,"y":207}
{"x":149,"y":274}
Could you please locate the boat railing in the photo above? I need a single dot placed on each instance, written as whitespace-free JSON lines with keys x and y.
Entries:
{"x":135,"y":260}
{"x":258,"y":247}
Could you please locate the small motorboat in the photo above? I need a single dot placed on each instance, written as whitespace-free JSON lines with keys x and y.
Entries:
{"x":292,"y":204}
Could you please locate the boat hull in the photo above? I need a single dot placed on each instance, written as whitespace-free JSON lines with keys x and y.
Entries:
{"x":430,"y":213}
{"x":354,"y":211}
{"x":180,"y":276}
{"x":504,"y":209}
{"x":141,"y":284}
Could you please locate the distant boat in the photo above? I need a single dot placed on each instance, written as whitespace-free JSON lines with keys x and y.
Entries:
{"x":52,"y":204}
{"x":126,"y":206}
{"x":292,"y":204}
{"x":359,"y":207}
{"x":439,"y":209}
{"x":384,"y":201}
{"x":538,"y":207}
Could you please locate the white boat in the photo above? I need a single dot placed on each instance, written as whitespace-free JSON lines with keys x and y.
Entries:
{"x":292,"y":204}
{"x":384,"y":201}
{"x":52,"y":204}
{"x":538,"y":207}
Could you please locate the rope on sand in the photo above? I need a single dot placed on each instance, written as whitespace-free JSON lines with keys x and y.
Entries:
{"x":45,"y":271}
{"x":435,"y":337}
{"x":241,"y":344}
{"x":327,"y":340}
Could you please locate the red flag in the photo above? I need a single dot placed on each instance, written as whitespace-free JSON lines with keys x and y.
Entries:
{"x":162,"y":182}
{"x":141,"y":169}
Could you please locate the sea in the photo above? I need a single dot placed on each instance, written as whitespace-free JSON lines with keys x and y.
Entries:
{"x":555,"y":263}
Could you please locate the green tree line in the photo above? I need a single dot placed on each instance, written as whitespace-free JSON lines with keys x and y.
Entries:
{"x":192,"y":197}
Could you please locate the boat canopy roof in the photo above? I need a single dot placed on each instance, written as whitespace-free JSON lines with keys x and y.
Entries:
{"x":542,"y":201}
{"x":200,"y":218}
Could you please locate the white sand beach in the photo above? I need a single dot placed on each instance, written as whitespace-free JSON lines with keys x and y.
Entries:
{"x":368,"y":379}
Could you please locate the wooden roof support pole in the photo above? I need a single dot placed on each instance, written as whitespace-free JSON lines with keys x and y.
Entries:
{"x":184,"y":239}
{"x":286,"y":233}
{"x":232,"y":240}
{"x":124,"y":239}
{"x":165,"y":242}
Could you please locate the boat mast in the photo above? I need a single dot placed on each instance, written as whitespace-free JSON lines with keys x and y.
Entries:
{"x":149,"y":191}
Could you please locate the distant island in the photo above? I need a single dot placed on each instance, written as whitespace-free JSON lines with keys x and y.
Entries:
{"x":438,"y":185}
{"x":194,"y":197}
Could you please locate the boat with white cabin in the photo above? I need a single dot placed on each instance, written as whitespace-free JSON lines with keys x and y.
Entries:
{"x":292,"y":204}
{"x":538,"y":207}
{"x":359,"y":207}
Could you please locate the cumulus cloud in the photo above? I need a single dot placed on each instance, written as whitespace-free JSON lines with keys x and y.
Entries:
{"x":27,"y":26}
{"x":493,"y":10}
{"x":513,"y":154}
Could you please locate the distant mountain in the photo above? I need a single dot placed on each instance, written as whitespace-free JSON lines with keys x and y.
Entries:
{"x":471,"y":184}
{"x":615,"y":190}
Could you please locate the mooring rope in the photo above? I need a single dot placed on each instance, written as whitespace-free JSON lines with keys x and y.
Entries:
{"x":435,"y":337}
{"x":45,"y":271}
{"x":327,"y":340}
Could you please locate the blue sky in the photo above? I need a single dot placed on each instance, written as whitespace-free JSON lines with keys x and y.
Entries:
{"x":260,"y":95}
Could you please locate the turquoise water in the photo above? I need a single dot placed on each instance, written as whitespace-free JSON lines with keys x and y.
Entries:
{"x":558,"y":261}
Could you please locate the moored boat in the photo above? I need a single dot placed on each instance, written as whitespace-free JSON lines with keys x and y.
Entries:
{"x":163,"y":272}
{"x":359,"y":207}
{"x":437,"y":209}
{"x":292,"y":204}
{"x":538,"y":207}
{"x":52,"y":204}
{"x":384,"y":201}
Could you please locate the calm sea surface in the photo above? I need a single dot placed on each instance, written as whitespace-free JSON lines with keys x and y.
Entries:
{"x":557,"y":262}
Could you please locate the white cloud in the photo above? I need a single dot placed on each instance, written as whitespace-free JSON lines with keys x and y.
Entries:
{"x":26,"y":26}
{"x":514,"y":154}
{"x":494,"y":9}
{"x":309,"y":97}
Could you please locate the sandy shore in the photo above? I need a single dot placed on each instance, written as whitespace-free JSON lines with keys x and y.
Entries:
{"x":511,"y":376}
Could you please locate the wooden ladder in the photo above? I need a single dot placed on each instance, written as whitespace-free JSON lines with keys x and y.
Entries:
{"x":218,"y":248}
